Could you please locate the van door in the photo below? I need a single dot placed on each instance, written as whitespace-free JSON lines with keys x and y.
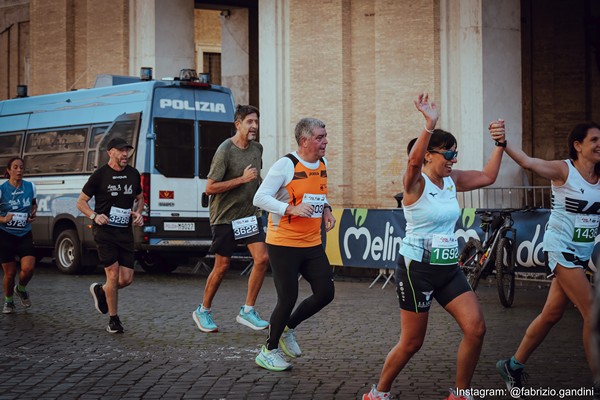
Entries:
{"x":181,"y":160}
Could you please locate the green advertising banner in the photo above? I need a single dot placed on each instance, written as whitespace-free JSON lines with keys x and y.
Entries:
{"x":370,"y":238}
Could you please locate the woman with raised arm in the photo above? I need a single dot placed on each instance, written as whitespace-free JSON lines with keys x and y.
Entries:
{"x":568,"y":241}
{"x":428,"y":262}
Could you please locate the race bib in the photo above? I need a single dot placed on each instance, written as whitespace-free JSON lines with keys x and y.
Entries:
{"x":244,"y":227}
{"x":317,"y":201}
{"x":18,"y":221}
{"x":444,"y":250}
{"x":586,"y":228}
{"x":119,"y":217}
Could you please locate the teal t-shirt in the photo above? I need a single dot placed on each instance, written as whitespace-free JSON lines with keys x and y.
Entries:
{"x":229,"y":162}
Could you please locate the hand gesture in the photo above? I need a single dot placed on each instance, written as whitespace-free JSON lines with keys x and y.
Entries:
{"x":138,"y":220}
{"x":8,"y":217}
{"x":428,"y":110}
{"x":497,"y":130}
{"x":329,"y":219}
{"x":301,"y":210}
{"x":250,"y":174}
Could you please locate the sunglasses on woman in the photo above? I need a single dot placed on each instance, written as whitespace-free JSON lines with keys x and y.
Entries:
{"x":448,"y":154}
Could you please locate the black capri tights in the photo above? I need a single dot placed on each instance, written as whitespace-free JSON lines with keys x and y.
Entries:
{"x":286,"y":264}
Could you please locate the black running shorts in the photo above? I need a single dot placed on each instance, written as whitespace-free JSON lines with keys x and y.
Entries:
{"x":12,"y":246}
{"x":224,"y":243}
{"x":114,"y":245}
{"x":418,"y":283}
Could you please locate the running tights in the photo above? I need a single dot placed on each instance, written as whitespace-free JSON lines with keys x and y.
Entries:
{"x":286,"y":264}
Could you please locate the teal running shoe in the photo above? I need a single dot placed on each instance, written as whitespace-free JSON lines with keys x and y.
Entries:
{"x":251,"y":319}
{"x":204,"y":320}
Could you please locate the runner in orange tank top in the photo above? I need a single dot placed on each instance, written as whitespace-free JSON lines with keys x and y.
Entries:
{"x":294,"y":192}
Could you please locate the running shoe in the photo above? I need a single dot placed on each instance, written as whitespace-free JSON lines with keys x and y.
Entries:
{"x":204,"y":320}
{"x":512,"y":378}
{"x":24,"y":297}
{"x":288,"y":343}
{"x":9,"y":307}
{"x":251,"y":319}
{"x":372,"y":396}
{"x":114,"y":325}
{"x":272,"y":360}
{"x":596,"y":391}
{"x":99,"y":298}
{"x":454,"y":396}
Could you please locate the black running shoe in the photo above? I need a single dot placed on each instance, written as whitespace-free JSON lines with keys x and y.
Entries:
{"x":114,"y":325}
{"x":99,"y":298}
{"x":596,"y":391}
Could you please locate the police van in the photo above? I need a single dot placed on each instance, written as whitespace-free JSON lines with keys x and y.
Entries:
{"x":175,"y":127}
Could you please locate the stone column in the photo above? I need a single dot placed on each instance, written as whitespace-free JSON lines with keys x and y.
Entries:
{"x":274,"y":78}
{"x":480,"y":44}
{"x":161,"y":36}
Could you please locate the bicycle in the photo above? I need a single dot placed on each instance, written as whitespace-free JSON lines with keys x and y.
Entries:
{"x":496,"y":254}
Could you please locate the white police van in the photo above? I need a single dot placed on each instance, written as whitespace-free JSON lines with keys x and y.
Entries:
{"x":175,"y":126}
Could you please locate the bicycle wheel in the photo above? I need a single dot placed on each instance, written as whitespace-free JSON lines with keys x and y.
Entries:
{"x":469,"y":262}
{"x":505,"y":272}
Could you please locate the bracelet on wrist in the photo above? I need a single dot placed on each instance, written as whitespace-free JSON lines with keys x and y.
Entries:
{"x":427,"y":130}
{"x":501,"y":144}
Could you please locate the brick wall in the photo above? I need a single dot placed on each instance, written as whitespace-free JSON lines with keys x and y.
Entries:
{"x":358,"y":65}
{"x":75,"y":40}
{"x":14,"y":48}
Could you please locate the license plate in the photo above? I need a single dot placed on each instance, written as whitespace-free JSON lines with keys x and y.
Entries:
{"x":180,"y":226}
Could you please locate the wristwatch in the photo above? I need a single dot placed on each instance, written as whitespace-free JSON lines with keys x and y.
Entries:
{"x":93,"y":216}
{"x":501,"y":144}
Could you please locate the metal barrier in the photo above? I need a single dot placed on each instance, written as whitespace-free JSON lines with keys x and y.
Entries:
{"x":506,"y":197}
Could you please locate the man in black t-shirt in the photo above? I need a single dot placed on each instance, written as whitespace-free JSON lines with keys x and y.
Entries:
{"x":116,"y":187}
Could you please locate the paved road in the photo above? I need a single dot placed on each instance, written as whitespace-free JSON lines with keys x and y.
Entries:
{"x":59,"y":348}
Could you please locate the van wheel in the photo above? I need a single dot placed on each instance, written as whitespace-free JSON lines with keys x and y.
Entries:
{"x":67,"y":252}
{"x":154,"y":263}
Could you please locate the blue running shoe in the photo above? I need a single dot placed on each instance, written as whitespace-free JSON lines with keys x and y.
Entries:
{"x":512,"y":378}
{"x":204,"y":320}
{"x":272,"y":360}
{"x":251,"y":319}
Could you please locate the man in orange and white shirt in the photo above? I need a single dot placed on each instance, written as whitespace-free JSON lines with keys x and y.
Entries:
{"x":294,"y":192}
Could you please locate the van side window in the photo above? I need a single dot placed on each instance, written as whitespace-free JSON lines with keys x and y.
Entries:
{"x":212,"y":134}
{"x":10,"y":146}
{"x":124,"y":127}
{"x":55,"y":151}
{"x":96,"y":136}
{"x":174,"y":147}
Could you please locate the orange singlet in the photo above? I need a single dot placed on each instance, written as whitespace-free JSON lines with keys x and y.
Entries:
{"x":308,"y":185}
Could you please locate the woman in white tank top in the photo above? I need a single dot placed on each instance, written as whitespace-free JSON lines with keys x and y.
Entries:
{"x":568,"y":242}
{"x":431,"y":211}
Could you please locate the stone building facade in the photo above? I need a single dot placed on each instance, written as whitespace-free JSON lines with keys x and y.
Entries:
{"x":356,"y":64}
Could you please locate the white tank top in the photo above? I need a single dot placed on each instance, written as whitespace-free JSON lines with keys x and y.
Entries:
{"x":575,"y":215}
{"x":432,"y":217}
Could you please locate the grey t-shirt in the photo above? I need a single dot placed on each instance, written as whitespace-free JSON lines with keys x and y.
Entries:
{"x":228,"y":163}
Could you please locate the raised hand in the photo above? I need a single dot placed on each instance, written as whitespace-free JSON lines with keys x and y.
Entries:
{"x":428,"y":110}
{"x":497,"y":130}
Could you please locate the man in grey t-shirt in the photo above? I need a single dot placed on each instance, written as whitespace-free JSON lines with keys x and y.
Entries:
{"x":233,"y":179}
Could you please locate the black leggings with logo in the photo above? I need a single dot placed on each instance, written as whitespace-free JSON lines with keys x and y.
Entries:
{"x":286,"y":264}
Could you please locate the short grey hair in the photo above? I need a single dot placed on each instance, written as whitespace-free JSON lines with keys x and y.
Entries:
{"x":305,"y":127}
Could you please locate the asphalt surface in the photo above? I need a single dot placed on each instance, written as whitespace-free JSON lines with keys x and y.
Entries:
{"x":59,"y":348}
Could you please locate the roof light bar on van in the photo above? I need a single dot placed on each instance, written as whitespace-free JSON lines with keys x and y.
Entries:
{"x":188,"y":74}
{"x":195,"y":84}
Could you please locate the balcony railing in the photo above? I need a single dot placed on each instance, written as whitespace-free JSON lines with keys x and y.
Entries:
{"x":506,"y":197}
